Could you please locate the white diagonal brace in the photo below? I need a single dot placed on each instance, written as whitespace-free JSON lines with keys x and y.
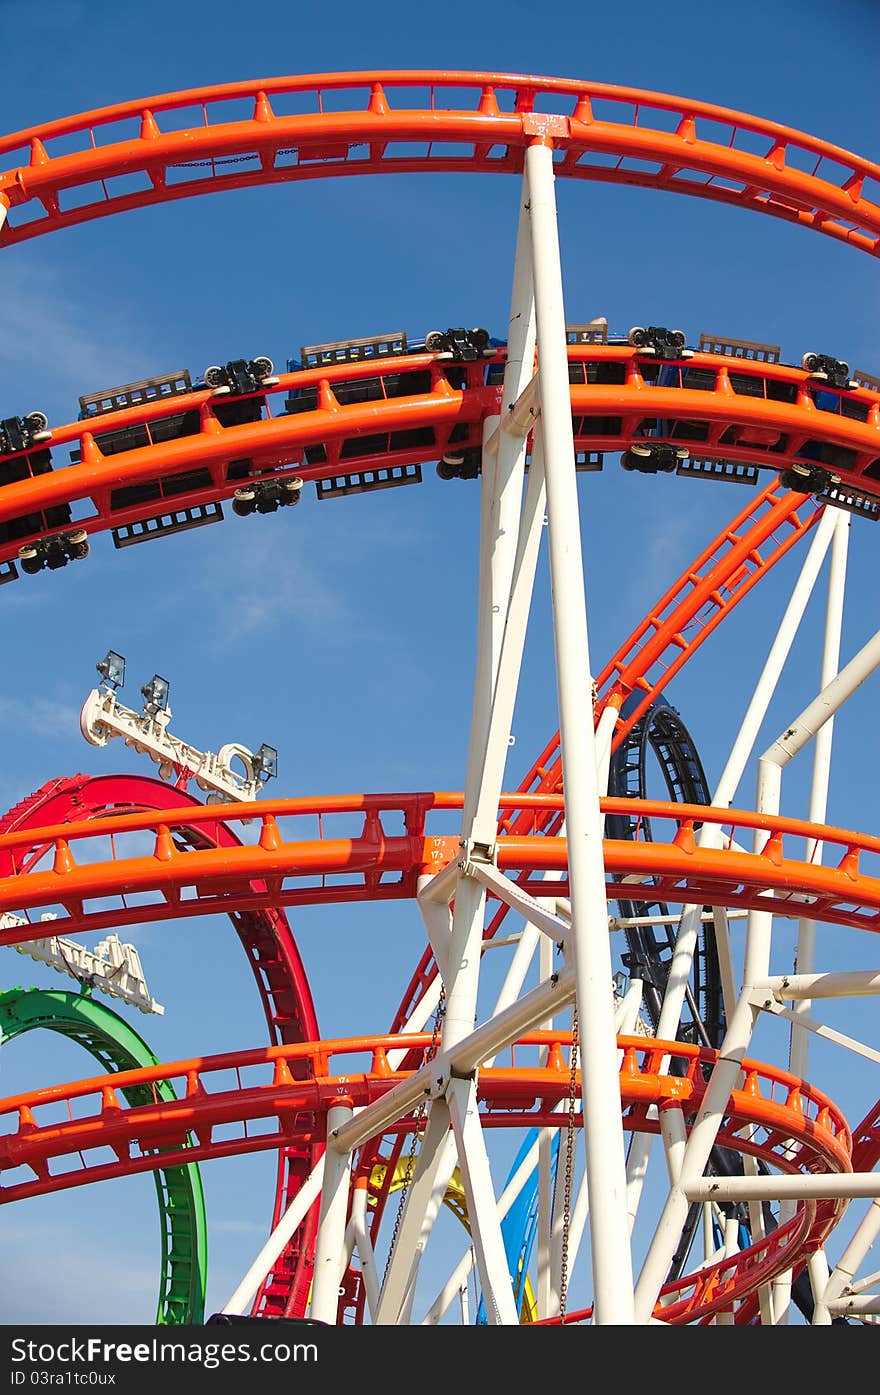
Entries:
{"x":434,"y":1166}
{"x":513,"y":895}
{"x":825,"y":1186}
{"x":483,"y":1219}
{"x":468,"y":1054}
{"x":247,"y":1290}
{"x":809,"y":1024}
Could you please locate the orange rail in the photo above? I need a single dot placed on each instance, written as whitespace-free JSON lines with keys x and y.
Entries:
{"x":247,"y":1087}
{"x":198,"y":468}
{"x":367,"y":123}
{"x":276,"y":870}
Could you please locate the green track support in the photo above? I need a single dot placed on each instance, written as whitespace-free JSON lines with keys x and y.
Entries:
{"x":117,"y":1047}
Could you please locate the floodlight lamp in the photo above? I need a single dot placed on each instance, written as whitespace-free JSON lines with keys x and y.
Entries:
{"x":112,"y":669}
{"x":621,"y":984}
{"x":265,"y":763}
{"x":156,"y":694}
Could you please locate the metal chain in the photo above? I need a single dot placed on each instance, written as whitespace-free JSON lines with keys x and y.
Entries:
{"x":569,"y":1166}
{"x":418,"y":1117}
{"x":218,"y":160}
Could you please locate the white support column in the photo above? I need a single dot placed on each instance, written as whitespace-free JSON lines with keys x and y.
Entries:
{"x":686,"y":940}
{"x":603,"y":1131}
{"x":559,"y":1230}
{"x":483,"y":816}
{"x":434,"y":1166}
{"x":775,"y":662}
{"x":508,"y":557}
{"x":547,"y":1284}
{"x":418,"y":1017}
{"x":437,"y":918}
{"x":463,"y":1304}
{"x":708,"y":1233}
{"x":626,"y":1016}
{"x":604,"y":732}
{"x":726,"y":972}
{"x":847,"y":1266}
{"x":500,"y":508}
{"x":364,"y":1246}
{"x":688,"y":933}
{"x":817,"y":1269}
{"x":330,"y":1242}
{"x":756,"y":968}
{"x":821,"y":771}
{"x":520,"y":964}
{"x":485,"y":1226}
{"x":806,"y":944}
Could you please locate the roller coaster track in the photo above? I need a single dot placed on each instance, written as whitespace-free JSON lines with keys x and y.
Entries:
{"x":462,"y":122}
{"x":759,"y":536}
{"x":247,"y":878}
{"x":417,"y":407}
{"x":266,"y":939}
{"x":222,"y":875}
{"x":662,"y":730}
{"x":292,"y":128}
{"x":115,"y":1046}
{"x":279,"y":1086}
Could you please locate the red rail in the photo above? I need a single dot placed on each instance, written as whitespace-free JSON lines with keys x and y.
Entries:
{"x":277,"y":1087}
{"x":272,"y":954}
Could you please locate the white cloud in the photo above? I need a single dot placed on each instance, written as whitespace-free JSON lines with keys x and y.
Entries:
{"x":232,"y":1227}
{"x":39,"y":717}
{"x":273,"y":584}
{"x":44,"y":323}
{"x":60,"y":1269}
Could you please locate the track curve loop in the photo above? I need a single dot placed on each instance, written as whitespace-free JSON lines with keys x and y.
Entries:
{"x":265,"y":936}
{"x":117,"y":1047}
{"x":294,"y":128}
{"x":279,"y":1085}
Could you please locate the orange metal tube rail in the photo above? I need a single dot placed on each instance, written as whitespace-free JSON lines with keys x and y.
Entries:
{"x":759,"y":430}
{"x":357,"y":123}
{"x":780,"y":1111}
{"x":279,"y":871}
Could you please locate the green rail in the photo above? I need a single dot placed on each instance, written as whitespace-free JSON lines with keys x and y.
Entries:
{"x":116,"y":1047}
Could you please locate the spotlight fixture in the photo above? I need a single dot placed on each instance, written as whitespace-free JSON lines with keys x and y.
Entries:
{"x":112,"y":669}
{"x":156,"y":695}
{"x":265,"y":763}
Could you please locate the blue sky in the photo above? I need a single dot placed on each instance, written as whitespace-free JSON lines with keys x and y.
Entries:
{"x":343,"y":633}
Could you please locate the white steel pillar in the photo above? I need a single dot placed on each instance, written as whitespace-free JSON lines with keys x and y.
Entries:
{"x":330,"y":1243}
{"x":756,"y":968}
{"x":363,"y":1245}
{"x":845,"y":1270}
{"x":806,"y":944}
{"x":508,"y":555}
{"x":805,"y":959}
{"x":681,"y":963}
{"x":434,"y":1166}
{"x":603,"y":1131}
